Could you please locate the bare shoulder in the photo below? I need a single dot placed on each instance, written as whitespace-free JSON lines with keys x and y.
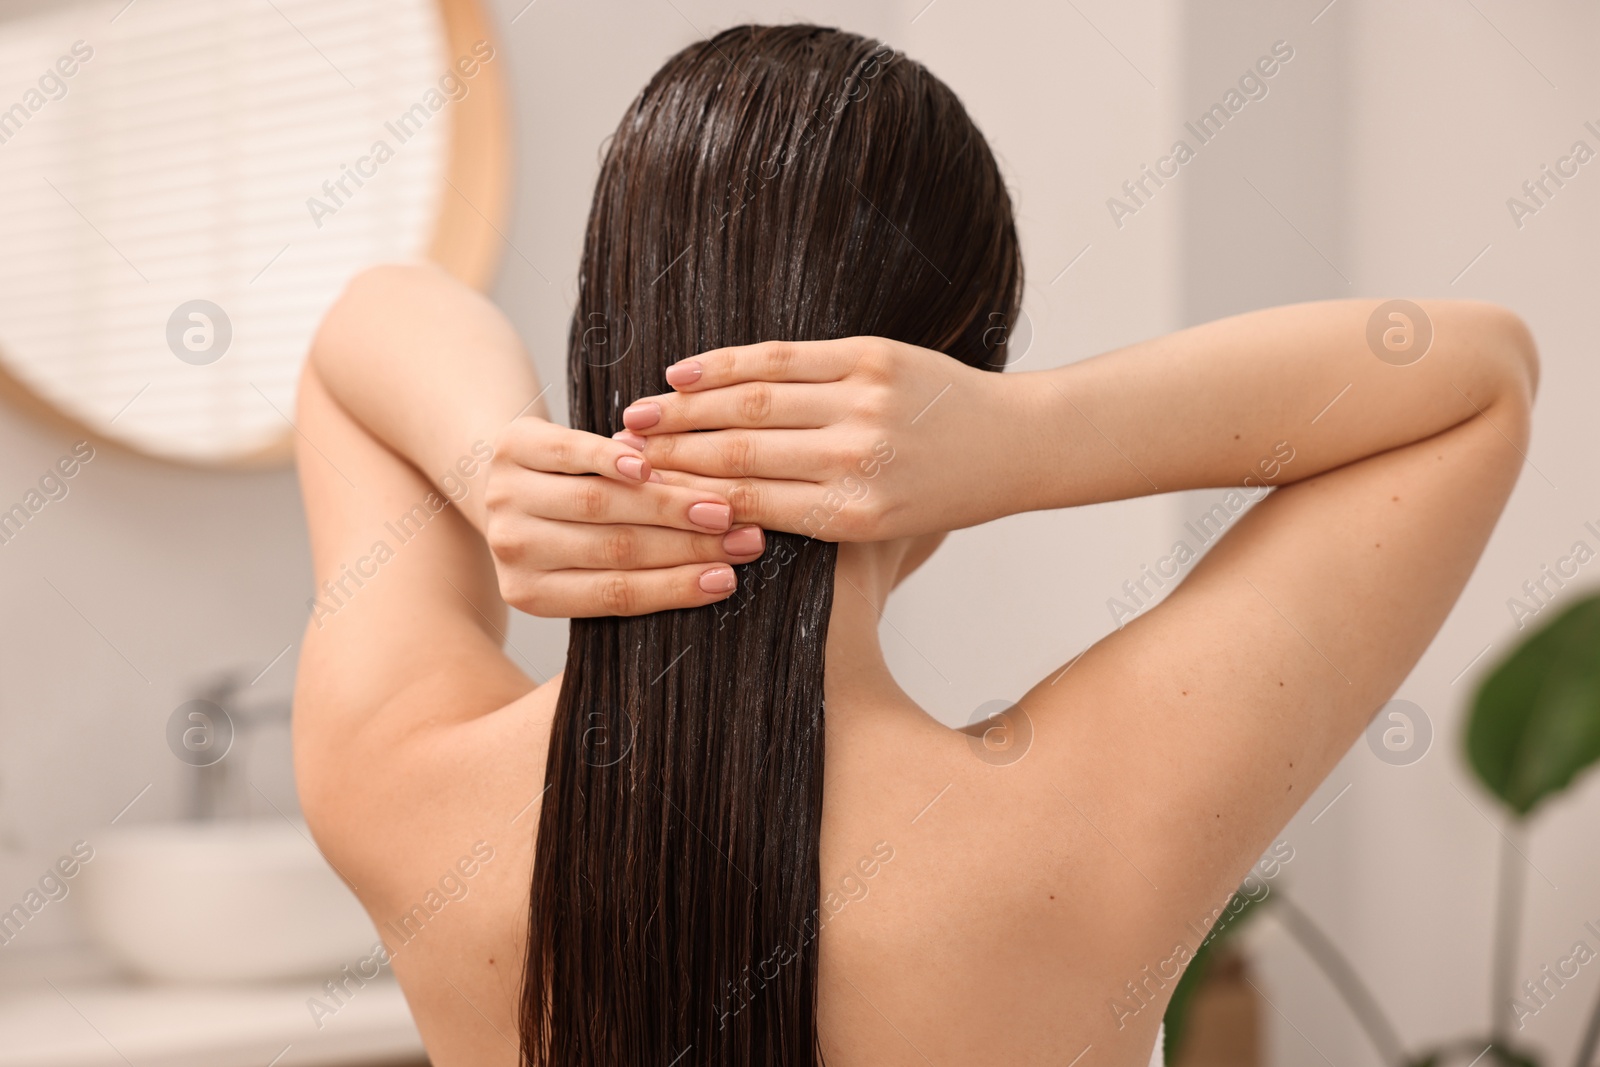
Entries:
{"x":964,"y":899}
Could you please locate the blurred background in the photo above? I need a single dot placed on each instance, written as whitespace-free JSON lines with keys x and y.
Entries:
{"x":176,"y":212}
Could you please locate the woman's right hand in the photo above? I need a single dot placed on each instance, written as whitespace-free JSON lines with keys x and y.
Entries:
{"x":569,"y":544}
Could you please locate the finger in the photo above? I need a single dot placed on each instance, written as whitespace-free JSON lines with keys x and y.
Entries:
{"x":571,"y":498}
{"x":576,"y":594}
{"x":750,"y":405}
{"x":543,"y":446}
{"x":547,"y":545}
{"x":771,"y":361}
{"x":788,"y":455}
{"x":791,"y":506}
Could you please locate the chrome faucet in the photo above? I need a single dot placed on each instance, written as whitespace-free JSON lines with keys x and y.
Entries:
{"x":221,"y":720}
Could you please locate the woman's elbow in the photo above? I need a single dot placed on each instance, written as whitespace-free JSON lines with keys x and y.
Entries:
{"x":1527,"y":351}
{"x":1513,"y":341}
{"x":354,"y":312}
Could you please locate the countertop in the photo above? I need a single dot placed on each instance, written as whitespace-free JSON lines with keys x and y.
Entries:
{"x":69,"y":1009}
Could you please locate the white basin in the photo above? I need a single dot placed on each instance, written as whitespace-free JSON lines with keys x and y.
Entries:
{"x":221,"y":901}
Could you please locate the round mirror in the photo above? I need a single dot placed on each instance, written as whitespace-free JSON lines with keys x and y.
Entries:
{"x":185,"y":186}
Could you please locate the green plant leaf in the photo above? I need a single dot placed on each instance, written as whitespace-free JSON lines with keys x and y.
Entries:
{"x":1535,"y":723}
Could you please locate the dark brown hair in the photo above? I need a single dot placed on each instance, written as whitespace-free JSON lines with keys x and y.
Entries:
{"x":787,"y":182}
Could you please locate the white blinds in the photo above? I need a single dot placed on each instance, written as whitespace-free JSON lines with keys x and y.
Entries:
{"x":174,"y":165}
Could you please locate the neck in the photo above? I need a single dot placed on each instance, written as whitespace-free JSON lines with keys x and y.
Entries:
{"x":857,"y":673}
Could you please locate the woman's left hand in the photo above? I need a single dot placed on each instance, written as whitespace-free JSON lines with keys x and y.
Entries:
{"x":859,"y":439}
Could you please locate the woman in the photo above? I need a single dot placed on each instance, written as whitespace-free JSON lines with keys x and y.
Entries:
{"x":719,"y":871}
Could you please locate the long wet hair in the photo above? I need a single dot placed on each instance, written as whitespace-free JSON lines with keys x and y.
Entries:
{"x":772,"y":182}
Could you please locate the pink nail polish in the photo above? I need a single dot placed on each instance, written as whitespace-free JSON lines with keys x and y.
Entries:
{"x":631,"y":467}
{"x":714,"y":517}
{"x":743,"y":541}
{"x":641,"y":416}
{"x":718,"y":580}
{"x":629,"y":438}
{"x":685,"y":373}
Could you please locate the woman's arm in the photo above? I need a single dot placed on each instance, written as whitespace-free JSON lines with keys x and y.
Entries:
{"x":1174,"y":750}
{"x":1214,"y":405}
{"x":404,"y":636}
{"x":1219,"y":404}
{"x":411,"y":372}
{"x":432,"y":369}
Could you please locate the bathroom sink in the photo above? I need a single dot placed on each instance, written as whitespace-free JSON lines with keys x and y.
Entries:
{"x":221,"y":901}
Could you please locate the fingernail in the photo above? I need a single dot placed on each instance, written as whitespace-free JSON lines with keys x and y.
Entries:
{"x":743,"y":541}
{"x":629,"y":438}
{"x":631,"y":467}
{"x":641,"y":416}
{"x":718,"y":580}
{"x":686,"y":373}
{"x":655,"y":476}
{"x":714,"y":517}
